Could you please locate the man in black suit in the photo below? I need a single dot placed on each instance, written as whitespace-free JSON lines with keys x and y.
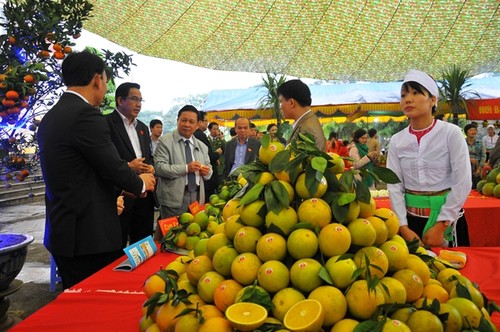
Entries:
{"x":211,"y":184}
{"x":81,"y":169}
{"x":131,"y":138}
{"x":241,"y":150}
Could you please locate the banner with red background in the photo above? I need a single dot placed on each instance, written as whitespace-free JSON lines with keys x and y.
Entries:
{"x":484,"y":109}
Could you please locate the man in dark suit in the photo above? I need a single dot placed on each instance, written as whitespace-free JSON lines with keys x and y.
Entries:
{"x":81,"y":169}
{"x":242,"y":150}
{"x":211,"y":184}
{"x":131,"y":138}
{"x":295,"y":100}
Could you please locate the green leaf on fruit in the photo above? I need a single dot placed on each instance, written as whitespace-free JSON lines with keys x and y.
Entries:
{"x":258,"y":296}
{"x":252,"y":195}
{"x":280,"y":161}
{"x":325,"y":276}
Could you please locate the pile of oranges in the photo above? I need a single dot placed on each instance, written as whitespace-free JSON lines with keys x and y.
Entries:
{"x":302,"y":269}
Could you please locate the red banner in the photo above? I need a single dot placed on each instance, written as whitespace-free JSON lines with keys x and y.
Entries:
{"x":484,"y":109}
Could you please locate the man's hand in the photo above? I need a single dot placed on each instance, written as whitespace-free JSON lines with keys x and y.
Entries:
{"x":219,"y":151}
{"x":120,"y":205}
{"x":194,"y":166}
{"x":139,"y":166}
{"x":205,"y":170}
{"x":149,"y":181}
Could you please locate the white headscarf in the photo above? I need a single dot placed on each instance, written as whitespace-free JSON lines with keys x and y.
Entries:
{"x":424,"y":80}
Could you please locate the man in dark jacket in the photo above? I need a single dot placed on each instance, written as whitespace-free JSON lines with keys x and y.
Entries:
{"x":81,"y":169}
{"x":133,"y":142}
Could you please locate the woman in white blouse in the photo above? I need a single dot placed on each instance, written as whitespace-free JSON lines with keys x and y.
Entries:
{"x":431,"y":159}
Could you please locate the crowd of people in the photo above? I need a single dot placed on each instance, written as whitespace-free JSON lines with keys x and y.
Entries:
{"x":106,"y":175}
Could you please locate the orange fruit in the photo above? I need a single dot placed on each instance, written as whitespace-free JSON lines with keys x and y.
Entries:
{"x":57,"y":47}
{"x":266,"y":154}
{"x":208,"y":284}
{"x":315,"y":211}
{"x":334,"y":239}
{"x":432,"y":291}
{"x":43,"y":54}
{"x":223,"y":259}
{"x":378,"y":262}
{"x":341,"y":271}
{"x":273,"y":276}
{"x":362,"y":232}
{"x":304,"y":274}
{"x":198,"y":267}
{"x":154,"y":284}
{"x":271,"y":246}
{"x":67,"y":49}
{"x":246,"y":239}
{"x":225,"y":293}
{"x":8,"y":103}
{"x":397,"y":255}
{"x":246,"y":316}
{"x":245,"y":267}
{"x":302,"y":243}
{"x":29,"y":78}
{"x":284,"y":300}
{"x":423,"y":320}
{"x":412,"y":283}
{"x":333,"y":302}
{"x":12,"y":94}
{"x":284,"y":220}
{"x":361,"y":302}
{"x":303,"y":191}
{"x":59,"y":55}
{"x":251,"y":214}
{"x":390,"y":219}
{"x":218,"y":324}
{"x":306,"y":315}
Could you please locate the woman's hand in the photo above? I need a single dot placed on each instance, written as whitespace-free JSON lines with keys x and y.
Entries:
{"x":434,"y":237}
{"x":409,"y":235}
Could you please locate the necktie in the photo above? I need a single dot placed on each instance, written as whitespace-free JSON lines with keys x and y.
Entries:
{"x":191,"y":176}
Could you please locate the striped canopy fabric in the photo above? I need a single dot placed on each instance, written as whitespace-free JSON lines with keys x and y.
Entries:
{"x":346,"y":40}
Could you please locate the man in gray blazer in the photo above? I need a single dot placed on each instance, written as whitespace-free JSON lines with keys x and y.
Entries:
{"x":175,"y":168}
{"x":241,"y":150}
{"x":295,"y":100}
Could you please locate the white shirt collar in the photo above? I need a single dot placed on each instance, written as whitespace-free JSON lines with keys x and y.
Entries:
{"x":79,"y":95}
{"x":126,"y":121}
{"x":296,"y":121}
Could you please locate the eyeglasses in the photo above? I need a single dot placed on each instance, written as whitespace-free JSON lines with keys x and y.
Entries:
{"x":136,"y":99}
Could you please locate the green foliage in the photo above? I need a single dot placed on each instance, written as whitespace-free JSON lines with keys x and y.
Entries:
{"x":256,"y":295}
{"x":35,"y":33}
{"x":454,"y":90}
{"x":271,"y":82}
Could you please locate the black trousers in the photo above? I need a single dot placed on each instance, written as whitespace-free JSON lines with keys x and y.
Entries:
{"x":75,"y":269}
{"x":137,"y":219}
{"x":417,"y":225}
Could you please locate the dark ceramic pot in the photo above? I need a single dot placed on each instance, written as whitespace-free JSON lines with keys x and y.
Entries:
{"x":13,"y":250}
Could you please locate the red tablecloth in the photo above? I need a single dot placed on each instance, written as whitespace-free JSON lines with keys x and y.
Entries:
{"x":112,"y":301}
{"x":483,"y":218}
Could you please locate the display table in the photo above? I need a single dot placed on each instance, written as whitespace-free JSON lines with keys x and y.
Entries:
{"x":112,"y":301}
{"x":483,"y":218}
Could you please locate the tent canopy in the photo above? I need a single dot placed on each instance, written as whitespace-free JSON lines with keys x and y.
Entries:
{"x":324,"y":39}
{"x":350,"y":100}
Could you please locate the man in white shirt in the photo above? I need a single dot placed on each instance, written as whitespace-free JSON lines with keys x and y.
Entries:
{"x":131,"y":138}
